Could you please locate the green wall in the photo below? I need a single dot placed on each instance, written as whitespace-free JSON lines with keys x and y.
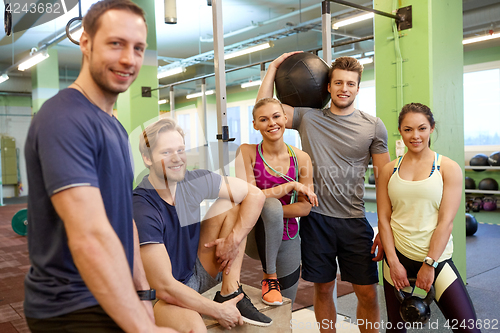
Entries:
{"x":15,"y":100}
{"x":483,"y":55}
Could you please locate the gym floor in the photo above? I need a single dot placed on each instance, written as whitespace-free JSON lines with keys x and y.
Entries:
{"x":483,"y":283}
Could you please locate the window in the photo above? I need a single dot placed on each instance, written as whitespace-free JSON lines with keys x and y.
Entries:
{"x":482,"y":107}
{"x":365,"y":101}
{"x":254,"y":136}
{"x":233,"y":123}
{"x":184,"y":121}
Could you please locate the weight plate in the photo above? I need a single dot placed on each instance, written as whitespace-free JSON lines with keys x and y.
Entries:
{"x":20,"y":222}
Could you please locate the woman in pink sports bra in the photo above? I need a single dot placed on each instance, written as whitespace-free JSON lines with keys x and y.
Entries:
{"x":418,"y":196}
{"x":284,"y":174}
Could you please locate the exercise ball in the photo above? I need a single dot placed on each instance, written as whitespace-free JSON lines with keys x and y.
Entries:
{"x":371,"y":179}
{"x":302,"y":81}
{"x":470,"y":224}
{"x":494,"y":159}
{"x":479,"y":160}
{"x":488,"y":184}
{"x":489,"y":204}
{"x":470,"y":184}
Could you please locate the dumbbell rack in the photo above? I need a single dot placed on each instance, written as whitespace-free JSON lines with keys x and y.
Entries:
{"x":486,"y":168}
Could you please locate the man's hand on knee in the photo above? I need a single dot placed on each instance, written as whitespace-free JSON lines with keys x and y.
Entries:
{"x":226,"y":250}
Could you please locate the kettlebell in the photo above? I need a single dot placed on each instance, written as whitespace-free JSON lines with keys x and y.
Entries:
{"x":414,"y":309}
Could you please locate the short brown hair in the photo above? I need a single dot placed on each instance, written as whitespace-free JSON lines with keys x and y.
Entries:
{"x":263,"y":101}
{"x":91,"y":21}
{"x":147,"y":140}
{"x":348,"y":64}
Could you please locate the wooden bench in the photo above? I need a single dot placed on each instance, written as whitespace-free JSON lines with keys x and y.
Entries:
{"x":281,"y":315}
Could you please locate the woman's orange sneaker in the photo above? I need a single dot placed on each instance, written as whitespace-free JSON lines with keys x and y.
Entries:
{"x":271,"y":292}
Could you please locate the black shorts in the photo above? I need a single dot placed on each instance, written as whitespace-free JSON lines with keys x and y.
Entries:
{"x":93,"y":319}
{"x":325,"y":238}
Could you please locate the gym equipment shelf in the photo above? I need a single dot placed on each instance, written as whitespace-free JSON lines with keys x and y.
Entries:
{"x":488,"y":168}
{"x":468,"y":167}
{"x":482,"y":192}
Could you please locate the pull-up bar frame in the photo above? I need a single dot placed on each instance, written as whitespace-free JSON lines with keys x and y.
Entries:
{"x":403,"y":15}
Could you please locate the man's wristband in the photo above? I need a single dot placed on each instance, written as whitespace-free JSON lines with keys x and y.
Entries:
{"x":147,"y":295}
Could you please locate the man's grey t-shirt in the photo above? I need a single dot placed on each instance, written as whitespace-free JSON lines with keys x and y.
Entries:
{"x":340,"y":148}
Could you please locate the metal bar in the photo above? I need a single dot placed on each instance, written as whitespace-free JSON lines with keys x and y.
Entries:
{"x":262,"y":70}
{"x":326,"y":24}
{"x":353,"y":41}
{"x":15,"y":93}
{"x":57,"y":39}
{"x":359,"y":39}
{"x":207,"y":76}
{"x":205,"y":148}
{"x":220,"y":86}
{"x":354,"y":5}
{"x":172,"y":102}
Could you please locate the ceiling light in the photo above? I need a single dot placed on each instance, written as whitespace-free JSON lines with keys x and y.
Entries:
{"x":33,"y":60}
{"x":251,"y":49}
{"x":364,"y":61}
{"x":251,"y":84}
{"x":480,"y":38}
{"x":3,"y":78}
{"x":351,"y":20}
{"x":208,"y":92}
{"x":170,"y":72}
{"x":162,"y":101}
{"x":367,"y":54}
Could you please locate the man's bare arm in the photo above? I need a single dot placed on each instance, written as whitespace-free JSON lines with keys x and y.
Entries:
{"x":100,"y":258}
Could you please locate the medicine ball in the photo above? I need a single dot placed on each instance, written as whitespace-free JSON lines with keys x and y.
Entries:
{"x":488,"y":184}
{"x":479,"y":160}
{"x":302,"y":80}
{"x":470,"y":184}
{"x":470,"y":224}
{"x":371,"y":179}
{"x":489,"y":204}
{"x":494,"y":159}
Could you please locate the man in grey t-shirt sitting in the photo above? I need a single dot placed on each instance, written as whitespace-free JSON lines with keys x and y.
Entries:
{"x":340,"y":141}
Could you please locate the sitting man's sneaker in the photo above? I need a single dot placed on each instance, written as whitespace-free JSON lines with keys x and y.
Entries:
{"x":247,"y":310}
{"x":271,"y":292}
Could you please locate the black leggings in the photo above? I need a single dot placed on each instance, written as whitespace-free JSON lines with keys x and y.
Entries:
{"x":451,"y":296}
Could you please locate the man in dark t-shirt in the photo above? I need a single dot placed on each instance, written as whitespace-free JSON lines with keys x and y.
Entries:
{"x":180,"y":253}
{"x":85,"y":261}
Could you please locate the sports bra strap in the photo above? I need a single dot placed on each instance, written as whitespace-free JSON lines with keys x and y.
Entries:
{"x":438,"y":159}
{"x":396,"y":165}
